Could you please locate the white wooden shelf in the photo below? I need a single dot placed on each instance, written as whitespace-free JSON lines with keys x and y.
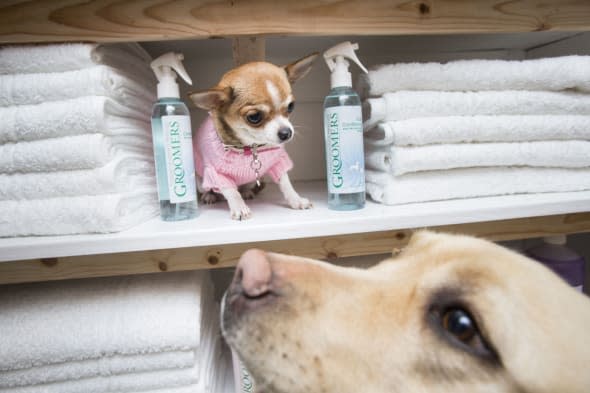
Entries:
{"x":272,"y":220}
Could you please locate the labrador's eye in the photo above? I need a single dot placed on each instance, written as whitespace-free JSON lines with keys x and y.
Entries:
{"x":459,"y":324}
{"x":290,"y":107}
{"x":254,"y":118}
{"x":454,"y":322}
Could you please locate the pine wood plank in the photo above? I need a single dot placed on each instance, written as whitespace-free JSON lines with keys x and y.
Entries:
{"x":144,"y":20}
{"x":327,"y":248}
{"x":247,"y":49}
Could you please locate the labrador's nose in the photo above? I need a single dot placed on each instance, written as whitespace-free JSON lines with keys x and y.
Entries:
{"x":253,"y":273}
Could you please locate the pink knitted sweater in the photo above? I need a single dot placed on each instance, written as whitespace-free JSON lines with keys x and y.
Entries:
{"x":220,"y":168}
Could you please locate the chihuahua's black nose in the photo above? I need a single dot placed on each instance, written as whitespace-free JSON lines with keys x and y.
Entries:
{"x":285,"y":134}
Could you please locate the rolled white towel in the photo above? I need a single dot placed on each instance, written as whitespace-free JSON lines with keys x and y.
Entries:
{"x":32,"y":59}
{"x":27,"y":89}
{"x":554,"y":74}
{"x":399,"y":160}
{"x":421,"y":104}
{"x":85,"y":151}
{"x":472,"y":182}
{"x":89,"y":114}
{"x":76,"y":215}
{"x":126,"y":172}
{"x":458,"y":129}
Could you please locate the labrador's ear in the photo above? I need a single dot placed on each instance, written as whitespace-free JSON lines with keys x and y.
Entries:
{"x":211,"y":99}
{"x":299,"y":68}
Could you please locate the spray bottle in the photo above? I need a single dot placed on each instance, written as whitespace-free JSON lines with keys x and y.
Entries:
{"x":173,"y":147}
{"x":343,"y":127}
{"x":555,"y":254}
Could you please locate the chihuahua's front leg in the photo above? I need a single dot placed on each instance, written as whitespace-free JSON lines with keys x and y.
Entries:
{"x":292,"y":197}
{"x":238,"y":208}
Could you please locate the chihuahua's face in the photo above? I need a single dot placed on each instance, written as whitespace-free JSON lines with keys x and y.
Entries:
{"x":251,"y":104}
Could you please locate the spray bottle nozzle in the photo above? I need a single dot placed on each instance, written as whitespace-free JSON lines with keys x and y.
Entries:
{"x":335,"y":58}
{"x":166,"y":67}
{"x":170,"y":60}
{"x":344,"y":49}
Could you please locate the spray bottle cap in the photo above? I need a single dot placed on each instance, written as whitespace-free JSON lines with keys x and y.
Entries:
{"x":558,"y":240}
{"x":163,"y":68}
{"x":339,"y":66}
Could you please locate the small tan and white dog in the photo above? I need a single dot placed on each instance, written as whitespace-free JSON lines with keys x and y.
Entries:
{"x":448,"y":314}
{"x":244,"y":135}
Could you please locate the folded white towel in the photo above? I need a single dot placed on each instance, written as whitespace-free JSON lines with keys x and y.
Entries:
{"x":399,"y":160}
{"x":89,"y":114}
{"x":202,"y":375}
{"x":27,"y":89}
{"x":472,"y":182}
{"x":419,"y":104}
{"x":127,"y":172}
{"x":85,"y":151}
{"x":554,"y":74}
{"x":32,"y":59}
{"x":103,"y":367}
{"x":457,"y":129}
{"x":76,"y":215}
{"x":75,"y":320}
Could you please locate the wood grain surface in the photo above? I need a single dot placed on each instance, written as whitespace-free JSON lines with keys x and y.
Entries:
{"x":143,"y":20}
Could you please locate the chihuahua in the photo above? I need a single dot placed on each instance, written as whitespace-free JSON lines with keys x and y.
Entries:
{"x":243,"y":138}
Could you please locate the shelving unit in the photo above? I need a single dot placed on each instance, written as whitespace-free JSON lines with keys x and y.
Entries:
{"x":213,"y":240}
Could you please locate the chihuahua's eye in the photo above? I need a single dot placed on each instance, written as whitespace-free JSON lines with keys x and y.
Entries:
{"x":459,"y":324}
{"x":290,"y":107}
{"x":254,"y":118}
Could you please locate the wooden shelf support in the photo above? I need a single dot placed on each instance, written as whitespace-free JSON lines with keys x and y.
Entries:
{"x":247,"y":49}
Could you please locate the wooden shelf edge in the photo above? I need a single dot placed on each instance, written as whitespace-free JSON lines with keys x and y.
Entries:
{"x":327,"y":248}
{"x":27,"y":21}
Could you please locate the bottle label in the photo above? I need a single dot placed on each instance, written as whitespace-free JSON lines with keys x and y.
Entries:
{"x":180,"y":166}
{"x":242,"y":378}
{"x":345,"y":161}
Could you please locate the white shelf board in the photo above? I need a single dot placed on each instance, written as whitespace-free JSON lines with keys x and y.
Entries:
{"x":273,"y":220}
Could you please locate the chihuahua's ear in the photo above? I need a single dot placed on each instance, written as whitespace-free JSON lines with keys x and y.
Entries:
{"x":211,"y":99}
{"x":300,"y":68}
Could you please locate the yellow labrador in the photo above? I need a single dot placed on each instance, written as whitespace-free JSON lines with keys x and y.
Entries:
{"x":449,"y":314}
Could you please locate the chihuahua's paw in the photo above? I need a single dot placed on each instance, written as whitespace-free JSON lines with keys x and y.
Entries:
{"x":241,"y":212}
{"x":250,"y":190}
{"x":209,"y":198}
{"x":300,"y":203}
{"x":247,"y":193}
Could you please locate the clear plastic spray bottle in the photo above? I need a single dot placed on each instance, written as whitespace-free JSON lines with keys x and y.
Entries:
{"x":343,"y":128}
{"x":173,"y":147}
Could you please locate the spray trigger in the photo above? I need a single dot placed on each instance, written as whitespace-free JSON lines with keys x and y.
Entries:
{"x":166,"y":67}
{"x":170,"y":60}
{"x":336,"y":59}
{"x":345,"y":49}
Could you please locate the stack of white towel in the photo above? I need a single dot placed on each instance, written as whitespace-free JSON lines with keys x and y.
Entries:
{"x":155,"y":333}
{"x":75,"y":142}
{"x":475,"y":128}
